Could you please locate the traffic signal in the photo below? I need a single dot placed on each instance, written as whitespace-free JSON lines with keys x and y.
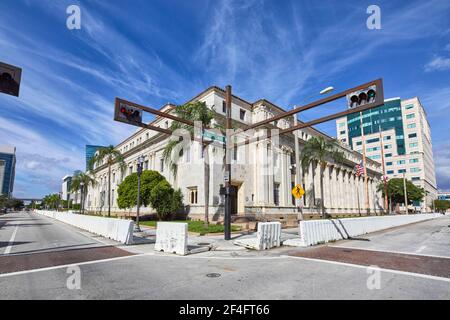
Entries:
{"x":362,"y":97}
{"x":128,"y":114}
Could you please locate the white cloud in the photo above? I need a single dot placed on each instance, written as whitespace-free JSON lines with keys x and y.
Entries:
{"x":438,"y":64}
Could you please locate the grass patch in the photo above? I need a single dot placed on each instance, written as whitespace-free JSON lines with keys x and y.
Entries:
{"x":197,"y":226}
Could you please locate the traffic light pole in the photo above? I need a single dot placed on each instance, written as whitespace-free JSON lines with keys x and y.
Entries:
{"x":227,"y":176}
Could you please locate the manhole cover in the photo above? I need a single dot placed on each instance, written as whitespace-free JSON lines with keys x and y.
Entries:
{"x":203,"y":244}
{"x":213,"y":275}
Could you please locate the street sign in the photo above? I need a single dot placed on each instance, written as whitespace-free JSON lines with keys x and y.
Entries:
{"x":226,"y":176}
{"x":10,"y":77}
{"x":298,"y":192}
{"x":213,"y":136}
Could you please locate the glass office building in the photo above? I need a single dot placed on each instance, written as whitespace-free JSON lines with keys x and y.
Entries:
{"x":90,"y":151}
{"x":399,"y":132}
{"x":7,"y":170}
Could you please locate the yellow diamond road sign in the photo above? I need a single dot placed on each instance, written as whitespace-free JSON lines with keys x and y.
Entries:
{"x":298,"y":192}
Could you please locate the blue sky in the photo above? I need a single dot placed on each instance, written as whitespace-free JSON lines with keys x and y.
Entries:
{"x":154,"y":52}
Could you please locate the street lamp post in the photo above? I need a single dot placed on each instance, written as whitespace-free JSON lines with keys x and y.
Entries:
{"x":82,"y":192}
{"x":139,"y":172}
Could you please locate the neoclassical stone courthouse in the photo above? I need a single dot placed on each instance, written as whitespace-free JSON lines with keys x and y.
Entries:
{"x":262,"y":172}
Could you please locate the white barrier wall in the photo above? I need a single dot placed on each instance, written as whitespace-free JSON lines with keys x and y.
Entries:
{"x":320,"y":231}
{"x":268,"y":236}
{"x":172,"y":237}
{"x":116,"y":229}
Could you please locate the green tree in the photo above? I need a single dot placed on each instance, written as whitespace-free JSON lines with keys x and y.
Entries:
{"x":51,"y":201}
{"x":165,"y":200}
{"x":127,"y":190}
{"x":3,"y":200}
{"x":396,"y":191}
{"x":80,"y":178}
{"x":441,"y":205}
{"x":318,"y":151}
{"x":197,"y":111}
{"x":109,"y":156}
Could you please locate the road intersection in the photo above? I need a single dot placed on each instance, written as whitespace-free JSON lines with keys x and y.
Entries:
{"x":411,"y":263}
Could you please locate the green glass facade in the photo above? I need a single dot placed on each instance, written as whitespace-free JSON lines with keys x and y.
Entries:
{"x":385,"y":117}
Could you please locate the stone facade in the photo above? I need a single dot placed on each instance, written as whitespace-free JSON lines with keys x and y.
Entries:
{"x":263,"y":172}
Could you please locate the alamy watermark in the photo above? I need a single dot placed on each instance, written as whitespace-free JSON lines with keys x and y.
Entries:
{"x":374,"y":20}
{"x":374,"y":280}
{"x":74,"y":280}
{"x":73,"y":21}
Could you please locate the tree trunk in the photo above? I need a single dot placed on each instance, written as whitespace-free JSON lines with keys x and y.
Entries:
{"x":109,"y":190}
{"x":206,"y":183}
{"x":322,"y":202}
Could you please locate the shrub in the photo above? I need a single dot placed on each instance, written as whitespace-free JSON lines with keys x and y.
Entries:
{"x":165,"y":200}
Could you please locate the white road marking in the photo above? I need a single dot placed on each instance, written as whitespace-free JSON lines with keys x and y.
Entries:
{"x":418,"y":275}
{"x":67,"y":265}
{"x":421,"y":249}
{"x":11,"y":240}
{"x":391,"y":251}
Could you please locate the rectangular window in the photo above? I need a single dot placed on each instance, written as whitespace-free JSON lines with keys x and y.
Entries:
{"x":387,"y":138}
{"x":359,"y":143}
{"x":375,"y":157}
{"x":242,"y":114}
{"x":401,"y":162}
{"x":389,"y":163}
{"x":413,"y":145}
{"x":390,"y":172}
{"x":224,"y":107}
{"x":388,"y":146}
{"x":161,"y":165}
{"x":342,"y":124}
{"x":412,"y":135}
{"x":410,"y":116}
{"x":193,"y":195}
{"x":373,"y":140}
{"x":409,"y":106}
{"x":402,"y":171}
{"x":415,"y":170}
{"x":413,"y":160}
{"x":411,"y":126}
{"x":342,"y":132}
{"x":415,"y":178}
{"x":388,"y":155}
{"x":235,"y":153}
{"x":276,"y":194}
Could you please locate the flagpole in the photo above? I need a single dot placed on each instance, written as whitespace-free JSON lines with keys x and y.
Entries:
{"x":366,"y":181}
{"x":386,"y":203}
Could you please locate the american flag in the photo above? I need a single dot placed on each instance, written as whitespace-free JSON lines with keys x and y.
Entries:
{"x":359,"y":169}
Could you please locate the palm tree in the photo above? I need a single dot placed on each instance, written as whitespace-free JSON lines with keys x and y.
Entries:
{"x":109,"y":156}
{"x":81,"y":182}
{"x":318,"y":151}
{"x":197,"y":111}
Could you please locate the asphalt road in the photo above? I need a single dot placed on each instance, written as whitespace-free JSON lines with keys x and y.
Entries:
{"x":277,"y":274}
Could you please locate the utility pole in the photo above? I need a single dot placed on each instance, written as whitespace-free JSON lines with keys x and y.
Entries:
{"x":366,"y":181}
{"x":139,"y":172}
{"x":404,"y":190}
{"x":386,"y":203}
{"x":297,"y":170}
{"x":227,"y":176}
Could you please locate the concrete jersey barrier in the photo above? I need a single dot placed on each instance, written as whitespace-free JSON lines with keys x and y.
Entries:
{"x":321,"y":231}
{"x":172,"y":237}
{"x":268,"y":236}
{"x":112,"y":228}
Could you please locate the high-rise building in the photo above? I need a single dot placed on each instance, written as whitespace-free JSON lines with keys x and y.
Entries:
{"x":401,"y":130}
{"x":7,"y":169}
{"x":90,"y":152}
{"x":65,"y":187}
